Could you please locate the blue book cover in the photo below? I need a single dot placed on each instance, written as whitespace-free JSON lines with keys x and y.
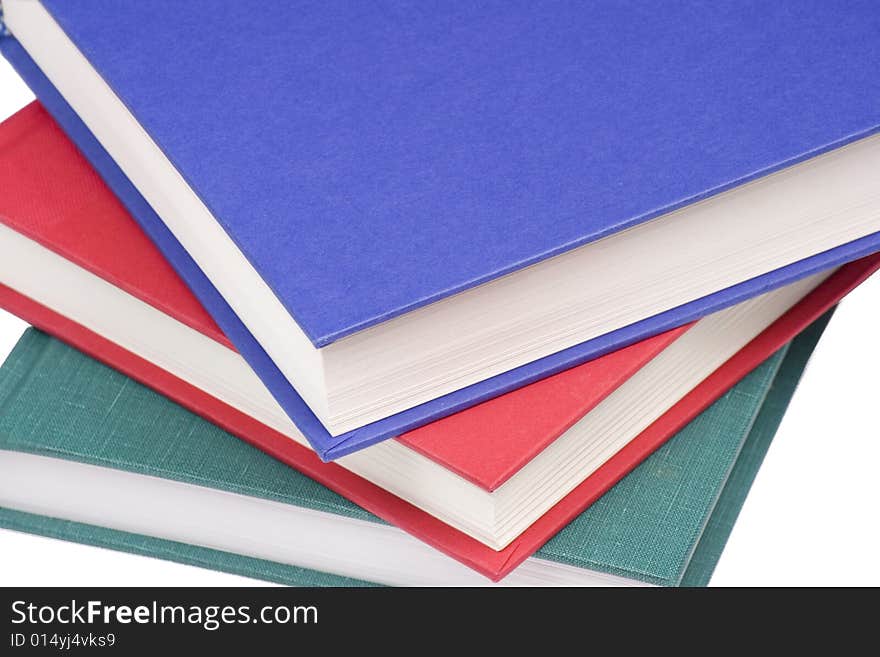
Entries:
{"x":402,"y":152}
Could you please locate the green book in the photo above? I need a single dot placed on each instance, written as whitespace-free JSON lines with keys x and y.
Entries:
{"x":89,"y":455}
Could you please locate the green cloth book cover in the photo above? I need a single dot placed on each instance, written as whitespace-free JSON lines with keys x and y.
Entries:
{"x":666,"y":523}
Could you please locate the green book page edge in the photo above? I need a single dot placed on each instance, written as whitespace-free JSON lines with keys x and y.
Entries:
{"x":11,"y":385}
{"x":730,"y":502}
{"x":190,"y":555}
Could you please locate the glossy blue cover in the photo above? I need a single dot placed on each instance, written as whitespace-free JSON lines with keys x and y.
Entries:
{"x":331,"y":447}
{"x":370,"y":158}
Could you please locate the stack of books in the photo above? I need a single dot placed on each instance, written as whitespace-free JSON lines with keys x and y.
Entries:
{"x":331,"y":294}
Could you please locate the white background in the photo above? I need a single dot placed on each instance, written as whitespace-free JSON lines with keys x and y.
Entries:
{"x":812,"y":518}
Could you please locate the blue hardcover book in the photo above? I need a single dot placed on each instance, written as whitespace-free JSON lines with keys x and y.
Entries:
{"x":399,"y":210}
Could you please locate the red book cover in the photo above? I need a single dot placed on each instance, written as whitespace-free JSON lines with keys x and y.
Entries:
{"x":53,"y":197}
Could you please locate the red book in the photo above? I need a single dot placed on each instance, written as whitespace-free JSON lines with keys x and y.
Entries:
{"x":55,"y":206}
